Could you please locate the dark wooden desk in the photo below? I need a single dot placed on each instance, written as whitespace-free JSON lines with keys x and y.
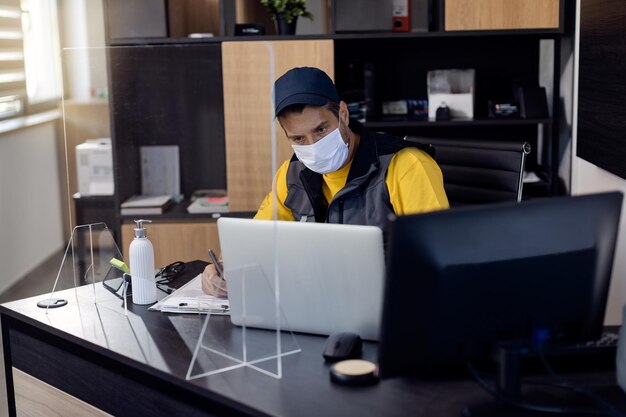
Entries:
{"x":136,"y":365}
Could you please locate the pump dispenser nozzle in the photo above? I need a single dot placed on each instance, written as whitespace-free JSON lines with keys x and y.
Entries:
{"x":140,"y":232}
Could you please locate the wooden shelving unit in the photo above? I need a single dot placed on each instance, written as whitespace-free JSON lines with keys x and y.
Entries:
{"x":187,"y":91}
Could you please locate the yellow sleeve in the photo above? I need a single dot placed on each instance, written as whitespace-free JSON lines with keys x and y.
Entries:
{"x":415,"y":183}
{"x":266,"y":211}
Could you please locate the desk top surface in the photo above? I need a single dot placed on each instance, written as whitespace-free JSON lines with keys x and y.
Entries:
{"x":162,"y":345}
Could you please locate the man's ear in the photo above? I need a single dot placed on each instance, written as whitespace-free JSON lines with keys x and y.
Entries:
{"x":344,"y":113}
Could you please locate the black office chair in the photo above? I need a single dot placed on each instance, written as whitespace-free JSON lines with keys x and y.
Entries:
{"x":479,"y":172}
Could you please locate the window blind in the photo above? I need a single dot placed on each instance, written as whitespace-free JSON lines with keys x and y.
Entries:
{"x":12,"y":73}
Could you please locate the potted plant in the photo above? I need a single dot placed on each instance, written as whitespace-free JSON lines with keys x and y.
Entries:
{"x":285,"y":13}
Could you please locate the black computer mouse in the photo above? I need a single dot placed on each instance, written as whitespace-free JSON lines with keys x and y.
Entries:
{"x":342,"y":345}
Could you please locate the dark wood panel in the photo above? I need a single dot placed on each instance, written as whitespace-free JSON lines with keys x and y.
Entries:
{"x":106,"y":384}
{"x":528,"y":33}
{"x":168,"y":95}
{"x":602,"y":91}
{"x":110,"y":381}
{"x":127,"y":19}
{"x":193,"y":16}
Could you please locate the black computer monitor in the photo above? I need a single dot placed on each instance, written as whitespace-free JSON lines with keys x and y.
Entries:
{"x":460,"y":281}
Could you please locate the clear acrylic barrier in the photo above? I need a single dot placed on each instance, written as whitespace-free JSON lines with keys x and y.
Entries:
{"x":153,"y":86}
{"x":91,"y":245}
{"x":261,"y":338}
{"x":97,"y":299}
{"x":86,"y":268}
{"x":259,"y":307}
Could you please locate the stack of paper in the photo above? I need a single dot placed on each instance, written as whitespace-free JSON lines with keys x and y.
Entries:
{"x":191,"y":299}
{"x":145,"y":204}
{"x":209,"y":205}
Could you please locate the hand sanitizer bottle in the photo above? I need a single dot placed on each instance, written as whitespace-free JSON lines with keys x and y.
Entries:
{"x":141,"y":255}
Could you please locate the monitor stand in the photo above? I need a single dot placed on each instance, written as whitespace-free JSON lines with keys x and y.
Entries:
{"x":508,"y":357}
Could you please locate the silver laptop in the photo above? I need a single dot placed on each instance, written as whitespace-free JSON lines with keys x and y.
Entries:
{"x":331,"y":276}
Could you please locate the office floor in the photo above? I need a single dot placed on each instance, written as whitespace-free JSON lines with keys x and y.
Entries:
{"x":38,"y":281}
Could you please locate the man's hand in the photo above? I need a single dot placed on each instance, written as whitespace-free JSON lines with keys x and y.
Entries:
{"x":212,"y":284}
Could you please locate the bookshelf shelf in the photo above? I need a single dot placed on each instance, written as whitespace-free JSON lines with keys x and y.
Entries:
{"x":383,"y":124}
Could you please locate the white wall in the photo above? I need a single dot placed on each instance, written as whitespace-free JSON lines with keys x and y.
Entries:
{"x":588,"y":178}
{"x":82,"y":42}
{"x":31,"y":222}
{"x":94,"y":14}
{"x":75,"y":64}
{"x":319,"y":24}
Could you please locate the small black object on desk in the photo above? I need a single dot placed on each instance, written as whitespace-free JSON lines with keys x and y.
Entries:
{"x":249,"y":29}
{"x":342,"y":345}
{"x":52,"y":303}
{"x":342,"y":348}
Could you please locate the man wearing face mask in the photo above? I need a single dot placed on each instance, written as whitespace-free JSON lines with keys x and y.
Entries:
{"x":341,"y":172}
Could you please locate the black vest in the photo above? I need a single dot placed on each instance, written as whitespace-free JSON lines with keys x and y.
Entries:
{"x":364,"y":199}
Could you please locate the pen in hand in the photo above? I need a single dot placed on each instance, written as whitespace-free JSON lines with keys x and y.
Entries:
{"x":218,"y":267}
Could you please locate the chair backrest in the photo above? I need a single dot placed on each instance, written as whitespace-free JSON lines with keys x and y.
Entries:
{"x":479,"y":172}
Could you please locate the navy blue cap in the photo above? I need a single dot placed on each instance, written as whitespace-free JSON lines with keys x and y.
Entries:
{"x":303,"y":85}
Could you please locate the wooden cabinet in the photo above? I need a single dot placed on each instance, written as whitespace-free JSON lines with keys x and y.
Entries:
{"x":501,"y":14}
{"x":249,"y":70}
{"x":34,"y":397}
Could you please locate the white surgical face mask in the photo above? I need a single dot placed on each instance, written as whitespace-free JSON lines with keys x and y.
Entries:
{"x":326,"y":155}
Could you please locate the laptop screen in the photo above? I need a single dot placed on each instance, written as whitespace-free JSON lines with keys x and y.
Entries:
{"x":330,"y":276}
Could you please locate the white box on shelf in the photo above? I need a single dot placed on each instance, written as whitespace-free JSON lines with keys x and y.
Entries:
{"x":94,"y":164}
{"x":453,"y":87}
